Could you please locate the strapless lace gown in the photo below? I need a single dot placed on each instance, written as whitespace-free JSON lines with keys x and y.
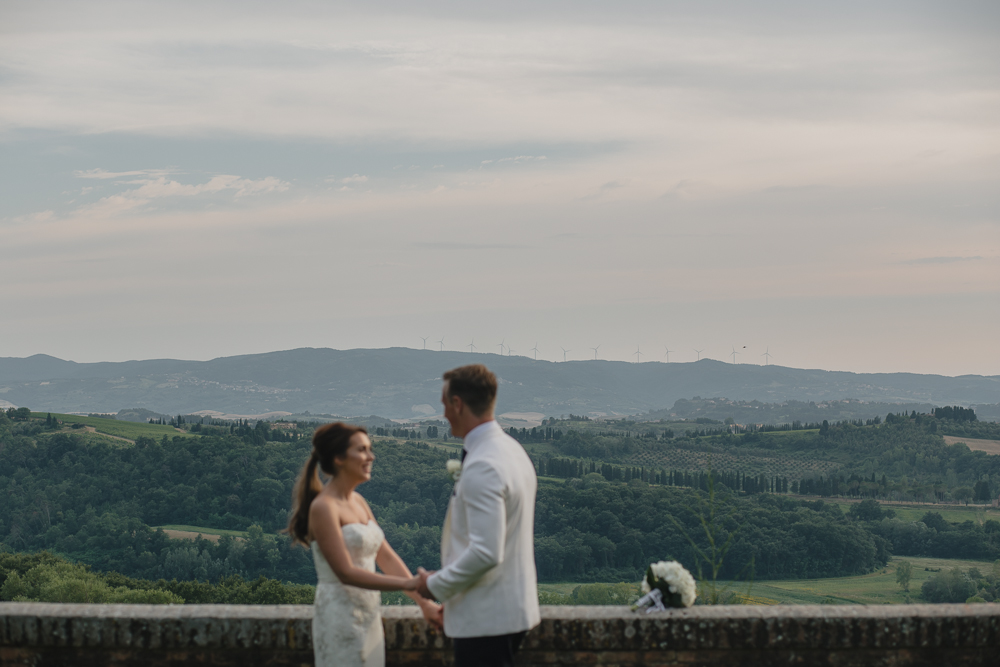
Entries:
{"x":347,"y":621}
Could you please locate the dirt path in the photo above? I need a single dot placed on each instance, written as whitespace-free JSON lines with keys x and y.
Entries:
{"x":988,"y":446}
{"x":91,"y":429}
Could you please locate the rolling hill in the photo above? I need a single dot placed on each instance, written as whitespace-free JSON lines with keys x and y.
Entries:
{"x":401,"y":382}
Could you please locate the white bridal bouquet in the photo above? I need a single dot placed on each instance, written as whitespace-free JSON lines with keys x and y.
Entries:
{"x":667,"y":584}
{"x":454,"y":468}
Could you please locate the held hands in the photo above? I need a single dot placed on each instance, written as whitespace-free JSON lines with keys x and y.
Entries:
{"x":421,"y":587}
{"x":433,"y":614}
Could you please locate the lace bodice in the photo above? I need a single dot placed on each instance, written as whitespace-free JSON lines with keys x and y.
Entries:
{"x":363,"y":541}
{"x":347,"y":622}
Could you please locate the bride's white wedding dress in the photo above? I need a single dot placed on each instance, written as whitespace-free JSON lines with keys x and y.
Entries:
{"x":347,"y":621}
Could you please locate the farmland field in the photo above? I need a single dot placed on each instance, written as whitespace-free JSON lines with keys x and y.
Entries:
{"x":192,"y":532}
{"x":753,"y":462}
{"x":567,"y":588}
{"x":951,"y":513}
{"x":876,"y":588}
{"x":976,"y":445}
{"x":118,"y":429}
{"x":698,"y":457}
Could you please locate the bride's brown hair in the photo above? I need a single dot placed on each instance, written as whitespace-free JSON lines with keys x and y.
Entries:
{"x":330,"y":441}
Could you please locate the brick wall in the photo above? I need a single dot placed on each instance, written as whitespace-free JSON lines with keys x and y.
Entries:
{"x":150,"y":636}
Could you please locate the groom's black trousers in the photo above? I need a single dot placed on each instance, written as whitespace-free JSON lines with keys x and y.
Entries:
{"x":487,"y":651}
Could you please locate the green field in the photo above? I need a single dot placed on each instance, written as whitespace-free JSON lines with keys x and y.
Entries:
{"x":118,"y":429}
{"x":205,"y":531}
{"x":700,"y":455}
{"x":951,"y":513}
{"x":876,"y":588}
{"x":750,"y":461}
{"x":566,"y":588}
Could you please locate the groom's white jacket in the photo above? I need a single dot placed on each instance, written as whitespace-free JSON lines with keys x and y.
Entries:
{"x":487,"y":580}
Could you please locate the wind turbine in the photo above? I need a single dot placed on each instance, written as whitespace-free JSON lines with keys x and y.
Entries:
{"x":734,"y":354}
{"x":667,"y":354}
{"x":509,"y":351}
{"x":472,"y":346}
{"x":767,"y":355}
{"x":637,"y":354}
{"x":501,"y":346}
{"x":535,"y":350}
{"x":699,"y":353}
{"x":564,"y":351}
{"x":595,"y":349}
{"x":441,"y":343}
{"x":424,"y":338}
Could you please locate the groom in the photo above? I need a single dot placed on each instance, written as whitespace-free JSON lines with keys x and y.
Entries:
{"x":487,"y":580}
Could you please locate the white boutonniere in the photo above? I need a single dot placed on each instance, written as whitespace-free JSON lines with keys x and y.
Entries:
{"x":454,"y":468}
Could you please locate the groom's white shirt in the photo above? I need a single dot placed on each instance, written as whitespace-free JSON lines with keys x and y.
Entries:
{"x":487,"y":580}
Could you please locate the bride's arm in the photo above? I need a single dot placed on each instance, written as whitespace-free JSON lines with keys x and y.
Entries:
{"x":389,"y":562}
{"x":325,"y":527}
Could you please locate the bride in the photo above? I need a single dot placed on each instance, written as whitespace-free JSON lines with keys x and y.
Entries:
{"x":346,"y":542}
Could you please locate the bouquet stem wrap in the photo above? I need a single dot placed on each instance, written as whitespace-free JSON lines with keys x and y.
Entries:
{"x":667,"y":584}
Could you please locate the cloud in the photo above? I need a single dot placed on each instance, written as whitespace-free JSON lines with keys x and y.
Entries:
{"x":941,"y":260}
{"x":457,"y":245}
{"x":610,"y":186}
{"x":520,"y":158}
{"x":102,"y":174}
{"x":354,"y":179}
{"x":161,"y":187}
{"x":40,"y":216}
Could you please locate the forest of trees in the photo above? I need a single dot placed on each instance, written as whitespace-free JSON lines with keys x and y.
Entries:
{"x":97,"y":502}
{"x":902,"y":458}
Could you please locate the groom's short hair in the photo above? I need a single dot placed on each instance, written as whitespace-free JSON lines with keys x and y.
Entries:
{"x":475,"y":385}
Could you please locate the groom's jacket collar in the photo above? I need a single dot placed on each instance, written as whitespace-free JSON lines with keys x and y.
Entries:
{"x":480,"y":433}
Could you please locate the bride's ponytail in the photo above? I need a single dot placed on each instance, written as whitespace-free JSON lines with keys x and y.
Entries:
{"x":330,"y":441}
{"x":306,"y":489}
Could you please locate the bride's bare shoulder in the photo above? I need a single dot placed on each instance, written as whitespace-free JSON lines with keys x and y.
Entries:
{"x":323,"y":506}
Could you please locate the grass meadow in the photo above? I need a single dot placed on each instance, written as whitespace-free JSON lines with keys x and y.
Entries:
{"x":915,"y":511}
{"x":876,"y":588}
{"x":204,"y":531}
{"x":116,"y":428}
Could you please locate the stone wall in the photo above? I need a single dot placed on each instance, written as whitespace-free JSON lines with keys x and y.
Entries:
{"x":150,"y":636}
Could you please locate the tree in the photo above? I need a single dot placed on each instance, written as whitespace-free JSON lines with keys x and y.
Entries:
{"x":981,"y":491}
{"x":962,"y":494}
{"x":904,"y":572}
{"x":867,"y":510}
{"x":936,"y":521}
{"x":951,"y":586}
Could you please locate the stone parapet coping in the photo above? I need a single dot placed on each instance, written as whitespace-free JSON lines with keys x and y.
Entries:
{"x":33,"y":633}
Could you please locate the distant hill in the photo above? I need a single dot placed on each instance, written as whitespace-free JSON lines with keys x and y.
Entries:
{"x":401,"y":382}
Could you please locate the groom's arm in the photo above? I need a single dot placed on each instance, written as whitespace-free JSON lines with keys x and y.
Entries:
{"x":486,"y":516}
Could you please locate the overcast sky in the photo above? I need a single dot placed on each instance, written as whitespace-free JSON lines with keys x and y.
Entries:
{"x":194,"y":180}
